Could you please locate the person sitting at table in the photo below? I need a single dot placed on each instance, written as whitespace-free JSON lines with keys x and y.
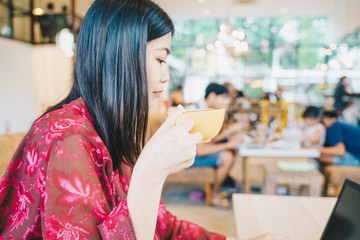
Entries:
{"x":314,"y":132}
{"x":83,"y":171}
{"x":219,"y":153}
{"x":342,"y":95}
{"x":342,"y":143}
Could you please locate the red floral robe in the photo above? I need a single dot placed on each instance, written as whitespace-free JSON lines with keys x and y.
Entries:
{"x":60,"y":184}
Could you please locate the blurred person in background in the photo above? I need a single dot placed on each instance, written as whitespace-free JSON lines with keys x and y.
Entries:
{"x":344,"y":102}
{"x":232,"y":91}
{"x":177,"y":97}
{"x":314,"y":132}
{"x":240,"y":98}
{"x":342,"y":95}
{"x":278,"y":93}
{"x":219,"y":153}
{"x":238,"y":107}
{"x":342,"y":142}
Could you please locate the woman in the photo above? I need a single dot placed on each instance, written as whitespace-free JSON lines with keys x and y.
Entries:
{"x":83,"y":170}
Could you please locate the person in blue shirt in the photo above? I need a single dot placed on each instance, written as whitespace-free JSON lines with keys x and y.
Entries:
{"x":342,"y":143}
{"x":219,"y":153}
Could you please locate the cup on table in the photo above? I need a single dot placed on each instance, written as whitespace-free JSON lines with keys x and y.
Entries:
{"x":207,"y":121}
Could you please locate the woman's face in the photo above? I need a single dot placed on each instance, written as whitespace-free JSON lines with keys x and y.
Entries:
{"x":156,"y":68}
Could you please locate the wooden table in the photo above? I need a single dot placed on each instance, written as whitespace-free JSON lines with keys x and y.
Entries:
{"x":275,"y":154}
{"x":312,"y":180}
{"x":298,"y":218}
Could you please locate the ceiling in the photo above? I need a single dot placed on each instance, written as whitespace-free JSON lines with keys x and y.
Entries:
{"x":343,"y":15}
{"x":225,"y":8}
{"x":236,"y":8}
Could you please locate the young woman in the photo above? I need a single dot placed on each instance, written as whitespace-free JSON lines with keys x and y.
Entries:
{"x":83,"y":170}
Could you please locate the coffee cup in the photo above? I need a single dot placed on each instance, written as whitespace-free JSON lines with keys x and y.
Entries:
{"x":207,"y":121}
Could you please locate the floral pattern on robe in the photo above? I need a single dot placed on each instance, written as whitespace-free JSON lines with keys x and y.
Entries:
{"x":60,"y":184}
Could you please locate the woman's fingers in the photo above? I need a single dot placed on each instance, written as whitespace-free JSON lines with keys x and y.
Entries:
{"x":185,"y":124}
{"x":196,"y":137}
{"x":171,"y":119}
{"x":183,"y":165}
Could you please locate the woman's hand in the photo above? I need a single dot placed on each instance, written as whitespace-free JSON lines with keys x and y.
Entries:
{"x":171,"y":149}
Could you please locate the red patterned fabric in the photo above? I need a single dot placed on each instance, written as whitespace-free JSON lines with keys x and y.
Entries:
{"x":60,"y":185}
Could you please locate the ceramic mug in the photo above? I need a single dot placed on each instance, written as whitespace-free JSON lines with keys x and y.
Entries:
{"x":207,"y":121}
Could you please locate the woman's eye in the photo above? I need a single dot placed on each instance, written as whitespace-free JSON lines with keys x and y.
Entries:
{"x":161,"y":61}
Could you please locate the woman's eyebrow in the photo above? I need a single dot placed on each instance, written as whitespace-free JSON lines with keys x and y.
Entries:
{"x":164,"y":49}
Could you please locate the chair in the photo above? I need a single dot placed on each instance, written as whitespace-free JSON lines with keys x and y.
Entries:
{"x":277,"y":110}
{"x":8,"y":145}
{"x":336,"y":175}
{"x":198,"y":175}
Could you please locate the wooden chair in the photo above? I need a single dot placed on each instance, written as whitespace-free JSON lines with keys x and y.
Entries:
{"x":336,"y":175}
{"x":198,"y":175}
{"x":8,"y":145}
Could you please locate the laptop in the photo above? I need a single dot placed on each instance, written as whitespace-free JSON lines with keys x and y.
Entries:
{"x":344,"y":222}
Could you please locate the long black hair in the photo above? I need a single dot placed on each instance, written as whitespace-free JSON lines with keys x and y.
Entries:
{"x":110,"y":71}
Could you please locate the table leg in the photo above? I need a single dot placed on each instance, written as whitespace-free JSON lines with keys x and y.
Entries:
{"x":246,"y":175}
{"x":316,"y":186}
{"x":269,"y":187}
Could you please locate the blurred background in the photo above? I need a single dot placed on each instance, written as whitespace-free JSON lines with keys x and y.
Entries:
{"x":296,"y":50}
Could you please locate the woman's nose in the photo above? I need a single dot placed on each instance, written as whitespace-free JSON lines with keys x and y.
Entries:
{"x":164,"y":80}
{"x":165,"y":75}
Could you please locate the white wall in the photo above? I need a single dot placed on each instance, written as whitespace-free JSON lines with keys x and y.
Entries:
{"x":18,"y":106}
{"x":31,"y":78}
{"x":343,"y":19}
{"x":52,"y":72}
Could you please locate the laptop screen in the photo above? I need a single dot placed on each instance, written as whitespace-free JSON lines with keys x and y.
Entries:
{"x":344,"y":222}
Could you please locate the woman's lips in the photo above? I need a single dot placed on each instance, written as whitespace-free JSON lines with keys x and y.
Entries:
{"x":158,"y":92}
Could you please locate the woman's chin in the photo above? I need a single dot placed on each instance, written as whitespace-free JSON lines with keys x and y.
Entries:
{"x":154,"y":100}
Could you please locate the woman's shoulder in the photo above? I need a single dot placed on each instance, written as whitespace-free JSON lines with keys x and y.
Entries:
{"x":76,"y":109}
{"x":72,"y":118}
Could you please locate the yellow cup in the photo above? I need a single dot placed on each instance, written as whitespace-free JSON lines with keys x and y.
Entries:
{"x":207,"y":121}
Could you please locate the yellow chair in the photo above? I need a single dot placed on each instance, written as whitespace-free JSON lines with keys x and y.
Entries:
{"x":277,"y":110}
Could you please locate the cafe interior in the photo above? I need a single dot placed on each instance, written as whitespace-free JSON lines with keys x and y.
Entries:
{"x":286,"y":72}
